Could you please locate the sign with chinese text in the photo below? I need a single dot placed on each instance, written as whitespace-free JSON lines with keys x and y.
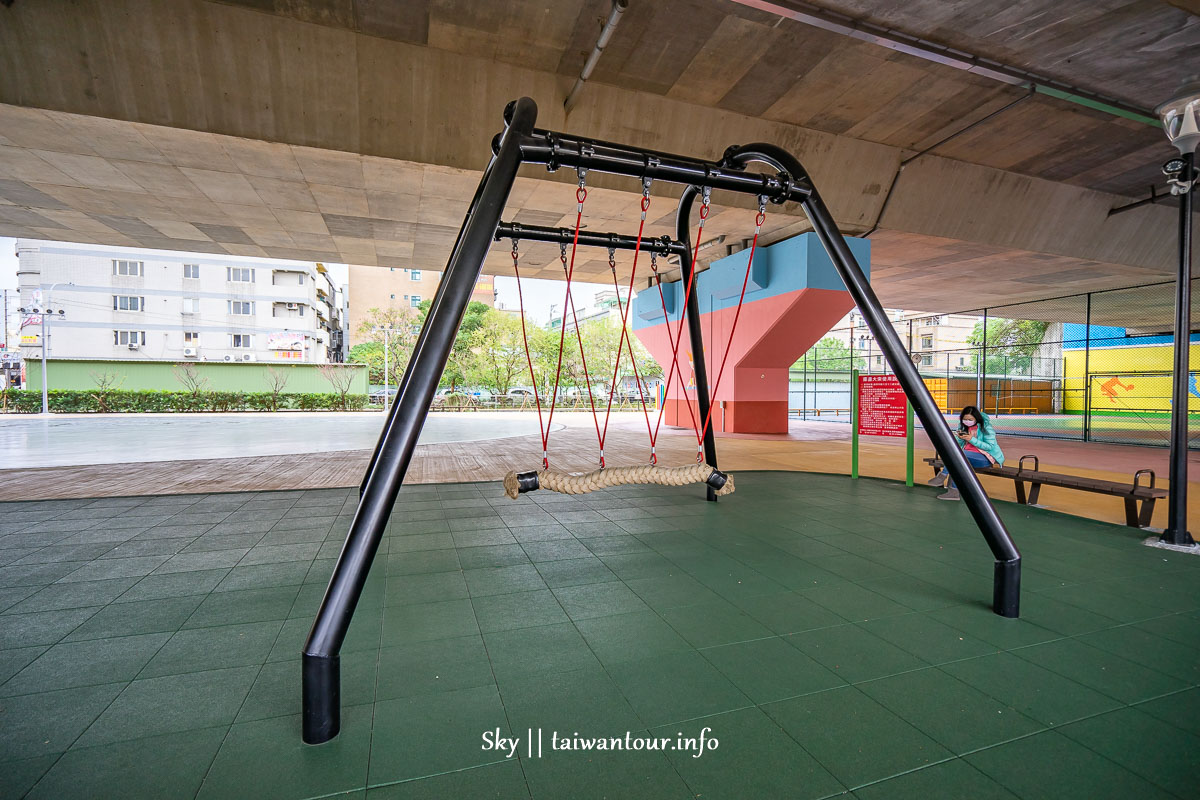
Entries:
{"x":882,"y":406}
{"x":289,"y":355}
{"x":285,"y":340}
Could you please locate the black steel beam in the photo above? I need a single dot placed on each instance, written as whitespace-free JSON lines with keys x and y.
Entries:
{"x":320,"y":668}
{"x":537,"y":233}
{"x":1007,"y":574}
{"x":683,"y":223}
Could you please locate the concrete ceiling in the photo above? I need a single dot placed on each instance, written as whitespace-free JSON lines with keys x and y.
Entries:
{"x":354,"y":130}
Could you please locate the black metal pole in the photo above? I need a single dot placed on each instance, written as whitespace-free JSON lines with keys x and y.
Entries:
{"x":663,"y":245}
{"x":1177,"y":532}
{"x":320,"y":669}
{"x":683,"y":234}
{"x":1007,"y":573}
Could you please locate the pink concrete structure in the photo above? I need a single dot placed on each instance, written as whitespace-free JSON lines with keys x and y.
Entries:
{"x":794,"y":297}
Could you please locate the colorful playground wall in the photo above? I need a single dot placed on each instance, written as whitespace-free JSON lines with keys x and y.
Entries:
{"x":793,"y":297}
{"x":1128,"y":374}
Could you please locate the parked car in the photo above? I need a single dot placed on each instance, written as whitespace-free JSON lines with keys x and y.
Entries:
{"x":377,"y":395}
{"x":519,"y":394}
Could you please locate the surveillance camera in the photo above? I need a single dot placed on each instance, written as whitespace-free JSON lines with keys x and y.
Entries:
{"x":1173,"y":167}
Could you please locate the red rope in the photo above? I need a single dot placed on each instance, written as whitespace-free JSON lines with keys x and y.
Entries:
{"x":758,"y":223}
{"x":529,"y":360}
{"x":679,"y":334}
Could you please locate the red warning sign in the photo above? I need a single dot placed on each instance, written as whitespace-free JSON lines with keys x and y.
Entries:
{"x":882,"y":406}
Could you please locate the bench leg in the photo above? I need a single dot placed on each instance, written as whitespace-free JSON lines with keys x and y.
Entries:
{"x":1131,"y":516}
{"x":1146,"y":514}
{"x":1021,"y":493}
{"x":1034,"y":490}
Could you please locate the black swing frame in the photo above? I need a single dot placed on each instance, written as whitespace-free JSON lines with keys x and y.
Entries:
{"x":522,"y":143}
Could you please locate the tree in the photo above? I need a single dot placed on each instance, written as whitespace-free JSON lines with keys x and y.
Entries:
{"x":341,"y":378}
{"x":277,"y":381}
{"x":190,"y":377}
{"x":371,"y":354}
{"x":459,"y":362}
{"x":1011,"y":344}
{"x":830,"y":354}
{"x":498,"y":352}
{"x":106,"y":383}
{"x":402,"y":326}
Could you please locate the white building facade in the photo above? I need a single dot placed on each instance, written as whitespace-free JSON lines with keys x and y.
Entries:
{"x":156,"y":305}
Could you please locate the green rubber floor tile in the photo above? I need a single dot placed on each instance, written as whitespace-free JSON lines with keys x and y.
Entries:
{"x":245,"y":605}
{"x":49,"y":722}
{"x":555,"y":550}
{"x":43,"y":627}
{"x":502,"y":781}
{"x":1181,"y":709}
{"x":202,"y":649}
{"x":767,"y":670}
{"x":16,"y":659}
{"x":1134,"y":643}
{"x":35,"y":574}
{"x":428,"y":621}
{"x":927,"y":638}
{"x":128,"y":619}
{"x":167,"y":766}
{"x":752,"y":757}
{"x":788,"y":612}
{"x":856,"y":603}
{"x":1050,"y":766}
{"x":541,"y":533}
{"x":854,"y":567}
{"x":428,"y":587}
{"x":1118,"y":607}
{"x":1065,"y":619}
{"x":416,"y":737}
{"x":1101,"y":670}
{"x":949,"y":780}
{"x":670,"y":591}
{"x":466,"y":535}
{"x":611,"y":545}
{"x":534,"y":651}
{"x":853,"y":737}
{"x":266,"y":759}
{"x":504,"y":612}
{"x":630,"y":637}
{"x":853,"y":653}
{"x":276,"y":690}
{"x":586,"y":701}
{"x":503,"y":580}
{"x":70,"y":664}
{"x":442,"y":665}
{"x":632,"y":566}
{"x":422,"y":561}
{"x":263,"y":576}
{"x":421,"y":541}
{"x":1181,"y":628}
{"x":59,"y":596}
{"x":575,"y":572}
{"x":14,"y":594}
{"x":1046,"y":696}
{"x":156,"y":706}
{"x":592,"y":600}
{"x":18,"y":777}
{"x":176,"y":584}
{"x":949,"y":711}
{"x":982,"y":623}
{"x":1121,"y":736}
{"x":602,"y":776}
{"x":711,"y":624}
{"x":674,"y":687}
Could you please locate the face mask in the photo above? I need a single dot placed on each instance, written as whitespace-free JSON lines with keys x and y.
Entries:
{"x":970,"y":423}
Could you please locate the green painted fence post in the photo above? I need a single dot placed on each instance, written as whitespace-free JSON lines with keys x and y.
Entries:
{"x":853,"y":423}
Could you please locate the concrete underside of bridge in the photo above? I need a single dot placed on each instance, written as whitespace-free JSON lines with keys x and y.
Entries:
{"x":355,"y":131}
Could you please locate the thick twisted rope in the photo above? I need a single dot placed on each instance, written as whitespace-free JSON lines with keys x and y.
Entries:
{"x":583,"y":482}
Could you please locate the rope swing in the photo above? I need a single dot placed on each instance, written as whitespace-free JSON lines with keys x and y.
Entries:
{"x":517,"y":483}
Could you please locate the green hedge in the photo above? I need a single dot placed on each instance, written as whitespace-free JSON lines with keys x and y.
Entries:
{"x":21,"y":401}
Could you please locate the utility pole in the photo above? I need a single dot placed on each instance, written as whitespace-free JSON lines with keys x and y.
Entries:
{"x":387,"y":345}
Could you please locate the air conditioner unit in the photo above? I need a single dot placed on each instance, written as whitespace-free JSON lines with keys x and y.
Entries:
{"x":293,"y":306}
{"x":190,"y":352}
{"x":133,"y":346}
{"x":247,"y":356}
{"x":229,"y":358}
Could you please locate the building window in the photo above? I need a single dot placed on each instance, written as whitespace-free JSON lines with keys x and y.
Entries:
{"x":241,"y":340}
{"x":191,"y":305}
{"x":191,"y":270}
{"x":301,"y":278}
{"x":191,"y":337}
{"x":241,"y":307}
{"x":124,"y":302}
{"x":121,"y":267}
{"x":239,"y":274}
{"x":962,"y":362}
{"x":415,"y":300}
{"x":927,"y":360}
{"x":133,"y":338}
{"x":302,"y":309}
{"x":415,"y":274}
{"x":393,"y":297}
{"x":927,"y":342}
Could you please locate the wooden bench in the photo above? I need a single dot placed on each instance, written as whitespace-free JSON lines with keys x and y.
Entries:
{"x":1132,"y":493}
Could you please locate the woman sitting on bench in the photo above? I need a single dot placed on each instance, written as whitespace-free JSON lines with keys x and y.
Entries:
{"x":977,"y":440}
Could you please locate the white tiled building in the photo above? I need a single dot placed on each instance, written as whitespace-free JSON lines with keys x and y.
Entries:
{"x":158,"y":305}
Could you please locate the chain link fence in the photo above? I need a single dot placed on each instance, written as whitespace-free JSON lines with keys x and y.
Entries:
{"x":1087,"y":367}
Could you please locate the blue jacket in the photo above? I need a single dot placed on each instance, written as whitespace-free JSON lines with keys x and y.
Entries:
{"x":984,"y":438}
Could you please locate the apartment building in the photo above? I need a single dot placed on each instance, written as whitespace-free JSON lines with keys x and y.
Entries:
{"x":155,"y":305}
{"x":395,"y":288}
